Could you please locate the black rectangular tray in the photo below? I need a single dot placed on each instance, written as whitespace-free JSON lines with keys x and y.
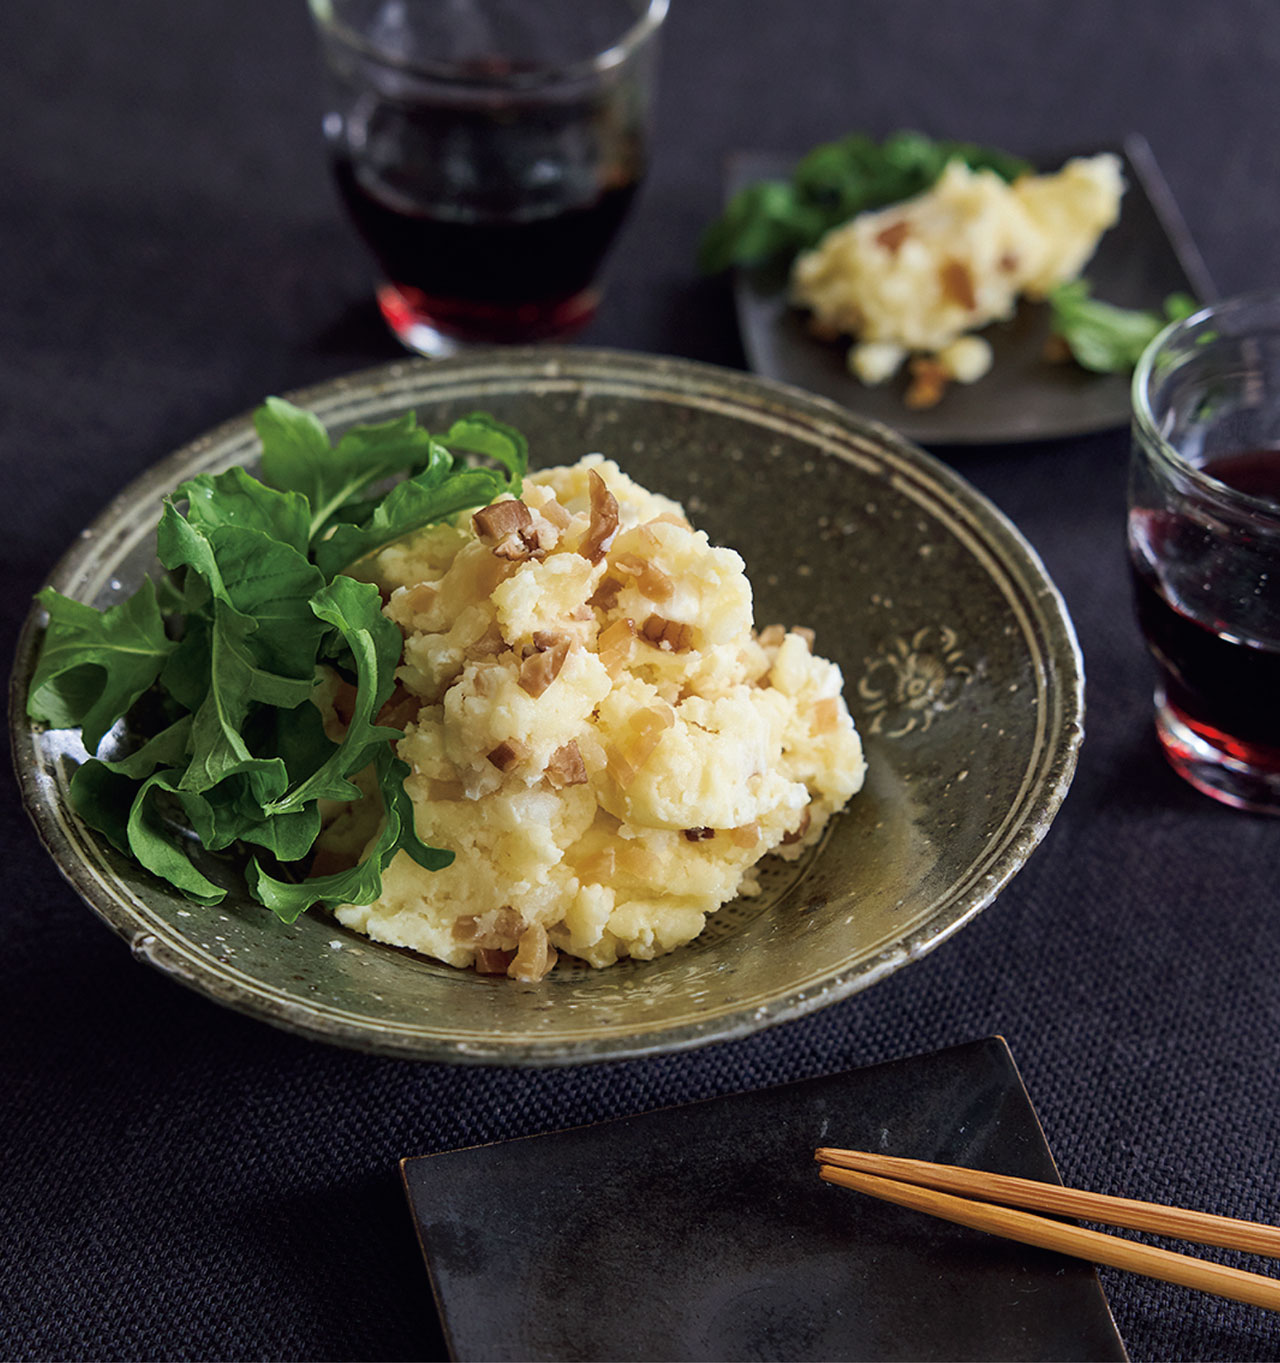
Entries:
{"x":704,"y":1232}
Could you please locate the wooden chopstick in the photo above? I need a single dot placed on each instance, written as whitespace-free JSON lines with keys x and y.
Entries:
{"x":1030,"y":1229}
{"x":1204,"y":1228}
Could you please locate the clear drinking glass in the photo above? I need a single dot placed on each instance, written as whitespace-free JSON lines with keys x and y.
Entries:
{"x":487,"y":151}
{"x":1204,"y":544}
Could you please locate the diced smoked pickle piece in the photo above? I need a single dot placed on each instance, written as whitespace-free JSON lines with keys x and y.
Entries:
{"x":650,"y":580}
{"x":604,"y":520}
{"x":957,"y":284}
{"x":507,"y":528}
{"x":403,"y":606}
{"x":491,"y":961}
{"x":541,"y":667}
{"x":513,"y":549}
{"x":799,"y":830}
{"x":643,"y":734}
{"x":506,"y":923}
{"x":614,"y":644}
{"x":928,"y":383}
{"x":534,"y":957}
{"x":826,"y":715}
{"x":892,"y":237}
{"x":508,"y":753}
{"x":673,"y":635}
{"x":494,"y":523}
{"x":489,"y":645}
{"x":566,"y":767}
{"x":605,"y":595}
{"x":556,"y":513}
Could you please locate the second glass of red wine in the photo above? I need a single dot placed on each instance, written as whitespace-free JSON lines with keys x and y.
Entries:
{"x":1204,"y":544}
{"x":487,"y":152}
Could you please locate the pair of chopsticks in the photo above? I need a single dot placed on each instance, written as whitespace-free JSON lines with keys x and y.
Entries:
{"x":986,"y":1202}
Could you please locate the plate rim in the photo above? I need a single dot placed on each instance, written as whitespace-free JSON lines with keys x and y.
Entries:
{"x":1064,"y":668}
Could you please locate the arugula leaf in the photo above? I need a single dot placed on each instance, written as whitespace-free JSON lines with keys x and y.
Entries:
{"x":263,"y":580}
{"x":344,"y":523}
{"x":218,"y":747}
{"x":480,"y":433}
{"x":103,"y":798}
{"x":102,"y":793}
{"x":295,"y":448}
{"x":297,"y":457}
{"x":440,"y":491}
{"x":362,"y":884}
{"x":355,"y":610}
{"x":771,"y":221}
{"x":231,"y":813}
{"x":165,"y":749}
{"x":434,"y":495}
{"x":95,"y":664}
{"x":297,"y":738}
{"x":185,"y":675}
{"x":237,"y":498}
{"x":761,"y":223}
{"x":232,"y":751}
{"x":1105,"y":338}
{"x":128,"y":810}
{"x":158,"y":845}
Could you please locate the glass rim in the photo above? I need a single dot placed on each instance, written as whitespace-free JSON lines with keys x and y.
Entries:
{"x":1144,"y":418}
{"x":615,"y":55}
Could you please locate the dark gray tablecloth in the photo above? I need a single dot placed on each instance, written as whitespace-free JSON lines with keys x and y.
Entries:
{"x":182,"y":1182}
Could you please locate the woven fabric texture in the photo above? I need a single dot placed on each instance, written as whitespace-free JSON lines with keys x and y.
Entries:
{"x":181,"y":1182}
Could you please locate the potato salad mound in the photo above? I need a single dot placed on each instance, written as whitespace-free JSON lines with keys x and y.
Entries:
{"x":913,"y":279}
{"x":594,"y":728}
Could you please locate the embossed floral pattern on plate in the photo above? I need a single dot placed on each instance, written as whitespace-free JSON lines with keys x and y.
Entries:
{"x":913,"y":680}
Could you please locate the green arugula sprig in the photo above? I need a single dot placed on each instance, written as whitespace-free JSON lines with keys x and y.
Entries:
{"x":771,"y":221}
{"x":1103,"y":337}
{"x":212,"y":668}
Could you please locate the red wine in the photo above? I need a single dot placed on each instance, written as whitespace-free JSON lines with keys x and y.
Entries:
{"x":500,"y":278}
{"x":1256,"y":472}
{"x":1210,"y":612}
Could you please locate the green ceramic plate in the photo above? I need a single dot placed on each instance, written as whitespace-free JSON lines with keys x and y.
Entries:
{"x":961,"y":670}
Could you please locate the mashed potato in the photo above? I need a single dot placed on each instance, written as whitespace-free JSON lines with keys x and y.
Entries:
{"x":594,"y":728}
{"x":915,"y":277}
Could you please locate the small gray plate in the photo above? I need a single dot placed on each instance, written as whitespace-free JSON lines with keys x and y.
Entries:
{"x":704,"y":1232}
{"x":1146,"y":256}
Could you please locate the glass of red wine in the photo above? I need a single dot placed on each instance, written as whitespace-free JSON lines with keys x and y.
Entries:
{"x":487,"y":152}
{"x":1204,"y":544}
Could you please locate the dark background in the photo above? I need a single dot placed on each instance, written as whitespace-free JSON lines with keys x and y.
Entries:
{"x":181,"y":1181}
